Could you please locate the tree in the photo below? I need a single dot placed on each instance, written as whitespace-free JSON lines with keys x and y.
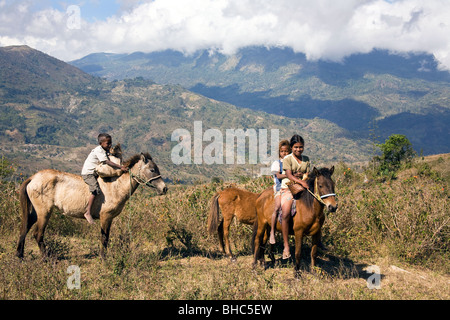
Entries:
{"x":396,"y":149}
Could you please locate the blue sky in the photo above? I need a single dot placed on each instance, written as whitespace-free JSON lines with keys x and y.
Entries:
{"x":321,"y":29}
{"x":91,"y":10}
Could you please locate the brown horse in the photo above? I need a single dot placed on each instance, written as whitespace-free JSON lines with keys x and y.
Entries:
{"x":48,"y":189}
{"x":233,"y":202}
{"x":309,"y":218}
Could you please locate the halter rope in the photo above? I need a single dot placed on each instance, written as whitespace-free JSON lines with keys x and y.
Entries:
{"x":318,"y":197}
{"x":142,"y":181}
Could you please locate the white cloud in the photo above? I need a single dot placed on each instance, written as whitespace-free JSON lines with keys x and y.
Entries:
{"x":322,"y":29}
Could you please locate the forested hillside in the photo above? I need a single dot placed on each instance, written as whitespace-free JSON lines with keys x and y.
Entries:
{"x":49,"y":121}
{"x":378,"y":94}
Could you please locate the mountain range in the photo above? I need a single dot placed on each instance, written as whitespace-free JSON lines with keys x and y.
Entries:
{"x":370,"y":96}
{"x":52,"y":112}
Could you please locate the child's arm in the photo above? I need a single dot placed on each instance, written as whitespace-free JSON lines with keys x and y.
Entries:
{"x":281,"y":176}
{"x":115,"y":165}
{"x":291,"y":177}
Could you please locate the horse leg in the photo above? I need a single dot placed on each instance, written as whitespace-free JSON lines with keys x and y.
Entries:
{"x":105,"y":223}
{"x":226,"y":235}
{"x":220,"y":234}
{"x":266,"y":237}
{"x":26,"y":226}
{"x":315,"y":242}
{"x":259,"y":239}
{"x":298,"y":248}
{"x":42,"y":221}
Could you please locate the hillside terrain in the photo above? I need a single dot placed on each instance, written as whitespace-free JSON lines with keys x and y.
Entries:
{"x":160,"y":249}
{"x":52,"y":113}
{"x":376,"y":94}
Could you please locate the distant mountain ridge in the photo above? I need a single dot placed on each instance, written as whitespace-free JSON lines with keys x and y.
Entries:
{"x":413,"y":65}
{"x":374,"y":94}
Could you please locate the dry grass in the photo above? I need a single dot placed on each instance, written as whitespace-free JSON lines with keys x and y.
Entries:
{"x":160,"y":250}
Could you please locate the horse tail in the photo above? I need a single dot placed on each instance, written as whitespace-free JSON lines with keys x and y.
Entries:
{"x":26,"y":208}
{"x":213,"y":218}
{"x":25,"y":204}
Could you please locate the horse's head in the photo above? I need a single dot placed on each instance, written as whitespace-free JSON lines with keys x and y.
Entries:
{"x":324,"y":187}
{"x":116,"y":151}
{"x":146,"y":172}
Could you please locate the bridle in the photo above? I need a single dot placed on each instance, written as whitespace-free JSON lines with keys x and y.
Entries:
{"x":144,"y":182}
{"x":316,"y":194}
{"x":141,"y":180}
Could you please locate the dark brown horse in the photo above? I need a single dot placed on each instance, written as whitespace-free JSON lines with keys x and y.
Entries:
{"x":233,"y":202}
{"x":309,"y":218}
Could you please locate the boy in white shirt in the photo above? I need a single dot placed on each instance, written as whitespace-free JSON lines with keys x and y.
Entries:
{"x":98,"y":154}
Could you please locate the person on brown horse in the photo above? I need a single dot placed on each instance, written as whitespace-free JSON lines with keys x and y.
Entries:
{"x":278,"y":175}
{"x":296,"y":166}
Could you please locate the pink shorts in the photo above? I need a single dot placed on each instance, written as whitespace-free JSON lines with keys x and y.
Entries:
{"x":286,"y":195}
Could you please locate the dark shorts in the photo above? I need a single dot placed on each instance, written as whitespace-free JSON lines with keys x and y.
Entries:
{"x":91,"y":181}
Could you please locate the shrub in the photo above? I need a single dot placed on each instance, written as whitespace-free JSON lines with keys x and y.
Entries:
{"x":396,"y":150}
{"x":405,"y":219}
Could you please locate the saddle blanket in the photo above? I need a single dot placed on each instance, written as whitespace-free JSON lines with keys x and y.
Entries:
{"x":293,"y":211}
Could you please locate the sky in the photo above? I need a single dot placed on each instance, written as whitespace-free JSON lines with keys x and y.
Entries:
{"x":321,"y":29}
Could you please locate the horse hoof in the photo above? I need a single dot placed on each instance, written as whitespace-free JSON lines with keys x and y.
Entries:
{"x":297,"y":274}
{"x":233,"y":259}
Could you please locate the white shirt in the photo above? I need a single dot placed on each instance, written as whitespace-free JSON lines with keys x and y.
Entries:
{"x":97,"y":155}
{"x":275,"y":168}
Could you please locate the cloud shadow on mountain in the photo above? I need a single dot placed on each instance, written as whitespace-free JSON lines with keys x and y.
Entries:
{"x":347,"y":113}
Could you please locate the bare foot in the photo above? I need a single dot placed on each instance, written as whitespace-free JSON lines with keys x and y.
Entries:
{"x":88,"y":217}
{"x":286,"y":255}
{"x":272,"y":238}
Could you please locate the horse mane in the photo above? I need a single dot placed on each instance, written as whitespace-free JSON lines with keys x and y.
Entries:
{"x":135,"y":159}
{"x":305,"y":196}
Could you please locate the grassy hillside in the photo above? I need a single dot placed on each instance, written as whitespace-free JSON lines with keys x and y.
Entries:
{"x":160,"y":248}
{"x":27,"y":72}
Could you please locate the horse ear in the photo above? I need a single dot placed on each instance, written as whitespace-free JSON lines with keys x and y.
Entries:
{"x":315,"y":171}
{"x":331,"y":170}
{"x":143,"y":158}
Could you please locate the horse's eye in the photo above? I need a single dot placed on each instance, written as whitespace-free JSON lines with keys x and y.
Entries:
{"x":152,"y":170}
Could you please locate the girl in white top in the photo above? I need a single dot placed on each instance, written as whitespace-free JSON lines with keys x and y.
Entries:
{"x":278,"y":175}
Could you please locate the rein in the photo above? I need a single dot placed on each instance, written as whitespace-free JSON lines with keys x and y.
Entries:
{"x":318,"y":196}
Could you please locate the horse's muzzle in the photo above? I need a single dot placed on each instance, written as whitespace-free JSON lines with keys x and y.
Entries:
{"x":332,"y":208}
{"x":160,"y":186}
{"x":162,"y":189}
